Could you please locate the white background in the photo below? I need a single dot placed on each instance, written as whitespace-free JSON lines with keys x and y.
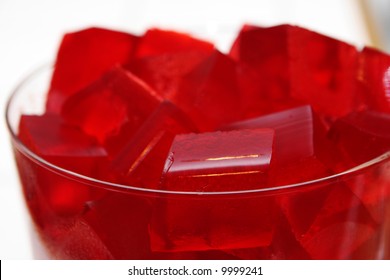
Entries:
{"x":30,"y":32}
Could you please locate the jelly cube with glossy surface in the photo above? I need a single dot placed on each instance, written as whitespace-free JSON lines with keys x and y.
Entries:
{"x":361,"y":136}
{"x":62,"y":144}
{"x":112,"y":108}
{"x":219,"y":161}
{"x":140,"y":163}
{"x":83,"y":57}
{"x":375,"y":79}
{"x":209,"y":93}
{"x":291,"y":64}
{"x":67,"y":147}
{"x":215,"y":162}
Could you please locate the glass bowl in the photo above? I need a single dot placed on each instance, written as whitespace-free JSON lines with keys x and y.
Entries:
{"x":344,"y":216}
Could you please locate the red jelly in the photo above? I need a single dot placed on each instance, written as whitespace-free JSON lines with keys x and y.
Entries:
{"x":290,"y":164}
{"x":69,"y":148}
{"x":209,"y":93}
{"x":219,"y":223}
{"x":342,"y":225}
{"x":263,"y":72}
{"x":117,"y":231}
{"x":324,"y":73}
{"x":168,"y":148}
{"x":164,"y":72}
{"x":211,"y":162}
{"x":288,"y":64}
{"x":141,"y":161}
{"x":375,"y":79}
{"x":157,"y":42}
{"x":83,"y":57}
{"x":62,"y":144}
{"x":121,"y":103}
{"x":361,"y":136}
{"x":219,"y":161}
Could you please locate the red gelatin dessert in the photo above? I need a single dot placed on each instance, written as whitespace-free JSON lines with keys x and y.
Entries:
{"x":376,"y":79}
{"x":209,"y":93}
{"x":121,"y":103}
{"x":219,"y":161}
{"x":361,"y":136}
{"x":160,"y":146}
{"x":83,"y":57}
{"x":291,"y":164}
{"x":62,"y":144}
{"x":291,"y":64}
{"x":141,"y":161}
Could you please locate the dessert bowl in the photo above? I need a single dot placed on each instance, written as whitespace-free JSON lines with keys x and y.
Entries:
{"x":344,"y":214}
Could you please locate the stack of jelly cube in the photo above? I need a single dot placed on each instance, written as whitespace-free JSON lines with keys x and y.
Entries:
{"x":167,"y":111}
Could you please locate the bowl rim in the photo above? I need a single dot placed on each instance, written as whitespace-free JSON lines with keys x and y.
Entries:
{"x":21,"y":147}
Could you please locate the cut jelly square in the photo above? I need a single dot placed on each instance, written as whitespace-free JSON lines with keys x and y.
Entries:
{"x":157,"y":41}
{"x":263,"y":71}
{"x":371,"y":187}
{"x":121,"y":223}
{"x":164,"y":72}
{"x":73,"y":239}
{"x":112,"y":108}
{"x":67,"y":147}
{"x":141,"y":162}
{"x":294,"y":160}
{"x":83,"y":57}
{"x":377,"y":241}
{"x":212,"y":223}
{"x":324,"y":73}
{"x":375,"y":79}
{"x":215,"y":162}
{"x":62,"y":144}
{"x":292,"y":64}
{"x":291,"y":126}
{"x":284,"y":246}
{"x":361,"y":136}
{"x":291,"y":163}
{"x":342,"y":225}
{"x":219,"y":161}
{"x":209,"y":93}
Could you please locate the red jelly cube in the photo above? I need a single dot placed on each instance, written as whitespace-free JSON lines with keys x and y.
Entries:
{"x":291,"y":126}
{"x":121,"y":223}
{"x":112,"y":108}
{"x":291,"y":163}
{"x":361,"y":136}
{"x":212,"y":223}
{"x":165,"y":57}
{"x":209,"y":93}
{"x":61,"y":144}
{"x":73,"y":239}
{"x":83,"y":57}
{"x":324,"y":73}
{"x":342,"y":225}
{"x":157,"y":42}
{"x":375,"y":67}
{"x":215,"y":162}
{"x":164,"y":72}
{"x":69,"y":148}
{"x":293,"y":63}
{"x":141,"y":161}
{"x":284,"y":246}
{"x":263,"y":55}
{"x":219,"y":161}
